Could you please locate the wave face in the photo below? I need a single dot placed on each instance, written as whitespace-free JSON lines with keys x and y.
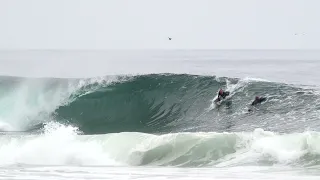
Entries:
{"x":175,"y":103}
{"x":155,"y":103}
{"x":152,"y":103}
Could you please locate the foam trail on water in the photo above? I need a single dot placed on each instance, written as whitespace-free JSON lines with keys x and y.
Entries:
{"x":60,"y":145}
{"x":5,"y":126}
{"x":63,"y":145}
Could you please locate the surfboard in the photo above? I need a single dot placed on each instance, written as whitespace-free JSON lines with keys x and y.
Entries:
{"x":224,"y":101}
{"x":218,"y":103}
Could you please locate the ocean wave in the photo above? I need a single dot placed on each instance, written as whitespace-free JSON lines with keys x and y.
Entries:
{"x":162,"y":103}
{"x":155,"y":103}
{"x":201,"y":149}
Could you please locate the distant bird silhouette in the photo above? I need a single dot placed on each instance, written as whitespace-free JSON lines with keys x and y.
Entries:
{"x":169,"y":38}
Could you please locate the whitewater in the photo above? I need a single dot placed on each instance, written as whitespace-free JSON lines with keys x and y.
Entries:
{"x":128,"y":114}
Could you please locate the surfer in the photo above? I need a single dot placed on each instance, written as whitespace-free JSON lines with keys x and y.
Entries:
{"x":256,"y":101}
{"x":222,"y":95}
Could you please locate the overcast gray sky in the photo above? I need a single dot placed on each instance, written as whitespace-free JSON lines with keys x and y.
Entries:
{"x":145,"y":24}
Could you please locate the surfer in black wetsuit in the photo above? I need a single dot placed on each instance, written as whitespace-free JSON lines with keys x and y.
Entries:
{"x":222,"y":95}
{"x":257,"y":100}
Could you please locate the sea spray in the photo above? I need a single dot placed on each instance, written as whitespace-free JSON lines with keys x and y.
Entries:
{"x":63,"y":145}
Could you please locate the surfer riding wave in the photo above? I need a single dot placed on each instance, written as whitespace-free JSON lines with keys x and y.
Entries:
{"x":221,"y":95}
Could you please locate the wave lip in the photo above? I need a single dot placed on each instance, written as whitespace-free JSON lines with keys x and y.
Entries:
{"x":28,"y":103}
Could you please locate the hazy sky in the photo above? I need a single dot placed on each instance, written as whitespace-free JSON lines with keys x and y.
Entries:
{"x":140,"y":24}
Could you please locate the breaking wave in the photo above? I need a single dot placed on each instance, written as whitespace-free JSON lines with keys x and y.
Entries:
{"x":157,"y":120}
{"x":155,"y":103}
{"x":202,"y":149}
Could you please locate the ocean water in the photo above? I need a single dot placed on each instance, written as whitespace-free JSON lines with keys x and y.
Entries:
{"x":142,"y":114}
